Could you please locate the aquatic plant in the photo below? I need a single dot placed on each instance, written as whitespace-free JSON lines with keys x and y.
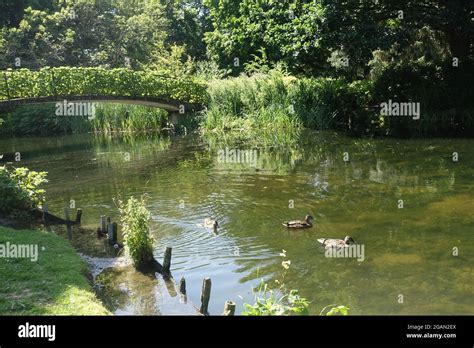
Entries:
{"x":135,"y":219}
{"x":269,"y":302}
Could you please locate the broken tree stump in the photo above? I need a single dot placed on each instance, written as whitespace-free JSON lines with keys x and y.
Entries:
{"x":229,"y":308}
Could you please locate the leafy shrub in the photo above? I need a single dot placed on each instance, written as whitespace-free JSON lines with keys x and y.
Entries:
{"x":332,"y":310}
{"x":135,"y":219}
{"x":269,"y":302}
{"x":20,"y":191}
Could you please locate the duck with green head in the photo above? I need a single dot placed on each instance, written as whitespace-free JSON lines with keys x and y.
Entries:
{"x":306,"y":223}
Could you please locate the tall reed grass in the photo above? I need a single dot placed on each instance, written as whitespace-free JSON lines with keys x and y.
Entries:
{"x":275,"y":101}
{"x":127,"y":118}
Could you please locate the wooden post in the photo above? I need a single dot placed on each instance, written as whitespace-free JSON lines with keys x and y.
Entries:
{"x":78,"y":216}
{"x":103,"y":225}
{"x":112,"y":233}
{"x":45,"y":211}
{"x":182,"y":286}
{"x":66,"y":214}
{"x":205,"y":296}
{"x":167,"y":260}
{"x":69,"y":231}
{"x":229,"y":308}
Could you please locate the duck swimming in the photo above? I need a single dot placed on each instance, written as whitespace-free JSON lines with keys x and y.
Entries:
{"x":336,"y":243}
{"x":306,"y":223}
{"x":211,"y":224}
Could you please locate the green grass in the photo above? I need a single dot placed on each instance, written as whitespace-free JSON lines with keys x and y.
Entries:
{"x":54,"y":285}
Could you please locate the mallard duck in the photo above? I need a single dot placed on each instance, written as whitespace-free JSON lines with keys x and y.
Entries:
{"x":211,"y":224}
{"x":336,"y":243}
{"x":299,"y":223}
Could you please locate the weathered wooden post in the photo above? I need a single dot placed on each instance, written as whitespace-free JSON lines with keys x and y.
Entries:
{"x":45,"y":211}
{"x":229,"y":308}
{"x":67,"y":215}
{"x":205,"y":296}
{"x":78,"y":216}
{"x":112,"y":233}
{"x":103,"y":223}
{"x":182,"y":286}
{"x":167,"y":261}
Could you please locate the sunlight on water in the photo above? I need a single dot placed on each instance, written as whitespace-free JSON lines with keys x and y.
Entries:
{"x":408,"y":251}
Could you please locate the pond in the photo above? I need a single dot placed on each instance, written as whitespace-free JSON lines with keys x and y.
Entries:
{"x":406,"y":201}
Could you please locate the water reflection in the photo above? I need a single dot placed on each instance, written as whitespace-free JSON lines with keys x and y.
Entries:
{"x":408,"y":251}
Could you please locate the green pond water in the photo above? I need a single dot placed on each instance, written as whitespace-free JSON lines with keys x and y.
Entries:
{"x":408,"y":252}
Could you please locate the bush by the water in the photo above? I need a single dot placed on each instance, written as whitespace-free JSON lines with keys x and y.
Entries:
{"x":20,"y":191}
{"x":443,"y":91}
{"x":284,"y":301}
{"x":135,"y":219}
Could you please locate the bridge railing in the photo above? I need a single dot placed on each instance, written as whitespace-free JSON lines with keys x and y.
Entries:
{"x":69,"y":81}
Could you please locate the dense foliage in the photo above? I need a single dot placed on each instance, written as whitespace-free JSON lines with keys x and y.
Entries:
{"x":312,"y":36}
{"x":20,"y":190}
{"x":347,"y":56}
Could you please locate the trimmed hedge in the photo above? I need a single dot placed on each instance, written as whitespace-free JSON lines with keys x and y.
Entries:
{"x":70,"y":81}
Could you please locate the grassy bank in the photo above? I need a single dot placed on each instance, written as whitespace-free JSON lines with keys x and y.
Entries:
{"x":55,"y":284}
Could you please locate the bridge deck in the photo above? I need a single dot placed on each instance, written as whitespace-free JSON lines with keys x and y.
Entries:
{"x":162,"y":103}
